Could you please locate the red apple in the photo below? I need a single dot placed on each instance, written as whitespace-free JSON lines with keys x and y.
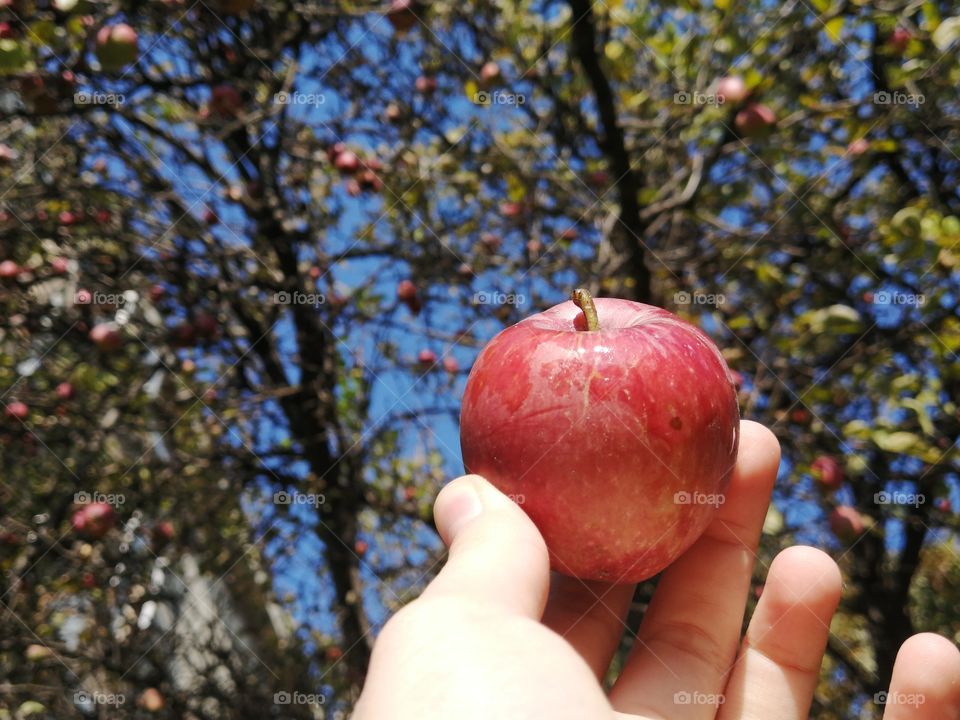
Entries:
{"x":616,"y":422}
{"x":334,"y":653}
{"x":899,"y":39}
{"x":755,"y":120}
{"x":225,"y":101}
{"x":360,"y":547}
{"x":334,"y":150}
{"x":846,"y":523}
{"x":369,"y":180}
{"x":7,"y":31}
{"x":60,"y":265}
{"x":183,"y":334}
{"x":426,"y":358}
{"x":943,"y":504}
{"x":402,"y":14}
{"x":490,"y":241}
{"x":347,"y":162}
{"x":426,"y":84}
{"x":206,"y":325}
{"x":731,"y":89}
{"x":151,"y":700}
{"x":116,"y":46}
{"x":827,"y":471}
{"x":407,"y":291}
{"x":106,"y":336}
{"x":510,"y":209}
{"x":64,"y":391}
{"x":163,"y":532}
{"x":9,"y":270}
{"x":17,"y":410}
{"x":68,"y":218}
{"x":858,"y":147}
{"x":451,"y":365}
{"x":598,"y":178}
{"x":393,"y":113}
{"x":93,"y":521}
{"x":489,"y":74}
{"x":156,"y":292}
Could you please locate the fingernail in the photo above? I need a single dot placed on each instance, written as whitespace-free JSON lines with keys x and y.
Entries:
{"x":462,"y":508}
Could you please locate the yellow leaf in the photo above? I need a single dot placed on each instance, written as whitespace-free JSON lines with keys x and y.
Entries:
{"x":470,"y":89}
{"x":833,"y":28}
{"x":614,"y":50}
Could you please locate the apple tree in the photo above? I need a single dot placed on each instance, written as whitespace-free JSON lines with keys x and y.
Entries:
{"x":263,"y":241}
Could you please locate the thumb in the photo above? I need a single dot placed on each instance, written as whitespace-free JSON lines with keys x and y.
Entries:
{"x":497,"y":555}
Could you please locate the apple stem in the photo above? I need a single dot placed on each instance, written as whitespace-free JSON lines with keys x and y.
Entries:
{"x":583,"y":300}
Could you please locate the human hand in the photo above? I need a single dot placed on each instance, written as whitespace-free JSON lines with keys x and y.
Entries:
{"x":494,"y":636}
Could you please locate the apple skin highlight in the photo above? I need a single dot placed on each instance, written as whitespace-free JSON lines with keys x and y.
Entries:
{"x":617,"y":442}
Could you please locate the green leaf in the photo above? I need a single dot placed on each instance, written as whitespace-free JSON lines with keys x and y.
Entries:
{"x":896,"y":442}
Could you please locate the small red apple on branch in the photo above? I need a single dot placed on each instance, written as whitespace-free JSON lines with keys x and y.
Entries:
{"x":116,"y":46}
{"x":731,"y":89}
{"x":828,"y":472}
{"x":402,"y":15}
{"x":617,"y":423}
{"x":755,"y":120}
{"x":93,"y":521}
